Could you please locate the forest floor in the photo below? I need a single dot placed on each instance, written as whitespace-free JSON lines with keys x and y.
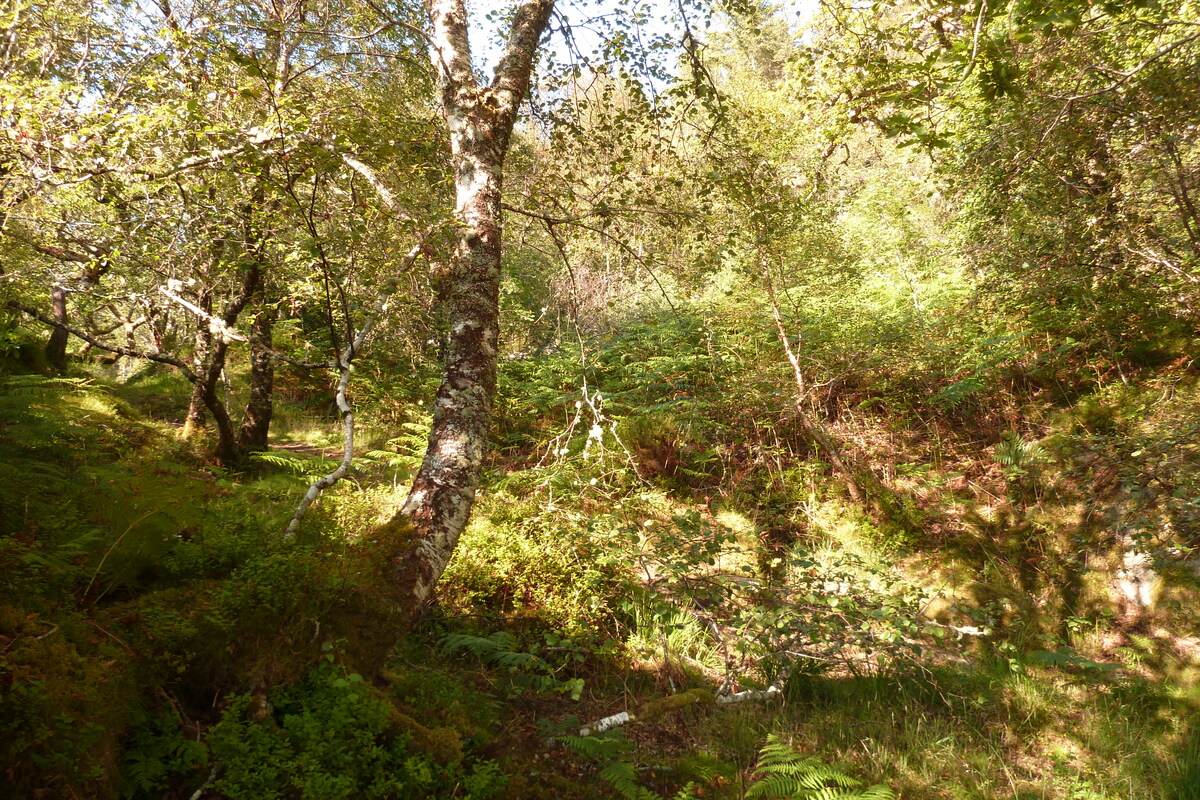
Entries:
{"x":156,"y":633}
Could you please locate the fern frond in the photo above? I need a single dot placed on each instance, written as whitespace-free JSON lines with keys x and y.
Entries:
{"x":386,"y":457}
{"x":622,"y":776}
{"x":687,"y":792}
{"x":601,"y":747}
{"x":26,"y":385}
{"x":298,"y":463}
{"x":787,"y":774}
{"x":482,"y":647}
{"x":498,"y":648}
{"x":1015,"y":452}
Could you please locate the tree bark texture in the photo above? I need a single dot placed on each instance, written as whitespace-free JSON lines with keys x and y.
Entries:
{"x":56,"y":345}
{"x":229,"y":451}
{"x":94,"y":261}
{"x":480,"y":120}
{"x":256,"y":422}
{"x":196,"y":414}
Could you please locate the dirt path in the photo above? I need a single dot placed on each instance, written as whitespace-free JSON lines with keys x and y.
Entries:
{"x":307,"y":448}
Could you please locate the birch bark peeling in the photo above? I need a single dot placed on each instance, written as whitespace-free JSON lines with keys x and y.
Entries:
{"x":480,"y":121}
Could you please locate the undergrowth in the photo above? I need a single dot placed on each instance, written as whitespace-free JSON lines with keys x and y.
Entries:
{"x":649,"y":536}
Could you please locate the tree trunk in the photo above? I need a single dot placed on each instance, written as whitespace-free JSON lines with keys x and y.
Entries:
{"x":196,"y":416}
{"x":208,"y":381}
{"x":229,"y":454}
{"x":480,"y":120}
{"x":256,"y":422}
{"x":56,"y":346}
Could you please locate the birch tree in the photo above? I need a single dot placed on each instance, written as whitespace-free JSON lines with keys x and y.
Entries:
{"x":480,"y":118}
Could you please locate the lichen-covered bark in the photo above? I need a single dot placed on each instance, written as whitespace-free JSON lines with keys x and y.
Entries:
{"x":480,"y":120}
{"x":196,"y":414}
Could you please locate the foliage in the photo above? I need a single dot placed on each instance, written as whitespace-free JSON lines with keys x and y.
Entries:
{"x":330,"y":736}
{"x":617,"y":768}
{"x":158,"y":753}
{"x":528,"y":669}
{"x":785,"y":773}
{"x":976,"y":223}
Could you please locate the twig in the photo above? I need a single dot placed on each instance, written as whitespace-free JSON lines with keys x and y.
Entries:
{"x":344,"y":365}
{"x":212,"y":776}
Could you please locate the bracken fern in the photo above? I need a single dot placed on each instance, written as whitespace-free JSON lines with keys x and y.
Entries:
{"x":785,"y":773}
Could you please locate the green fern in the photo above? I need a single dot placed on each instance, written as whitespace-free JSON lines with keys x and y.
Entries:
{"x":31,"y":385}
{"x":301,"y":464}
{"x":601,"y":747}
{"x":498,"y":649}
{"x":615,"y":752}
{"x":622,"y":776}
{"x":785,"y":773}
{"x":387,"y":458}
{"x":1016,"y":453}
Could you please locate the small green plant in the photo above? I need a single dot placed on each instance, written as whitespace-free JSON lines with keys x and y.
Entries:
{"x":333,"y":736}
{"x":785,"y":773}
{"x":618,"y":768}
{"x":527,"y":668}
{"x":1018,"y":455}
{"x":158,"y":753}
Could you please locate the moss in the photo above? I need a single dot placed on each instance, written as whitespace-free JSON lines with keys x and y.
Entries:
{"x":657,"y":708}
{"x":443,"y":744}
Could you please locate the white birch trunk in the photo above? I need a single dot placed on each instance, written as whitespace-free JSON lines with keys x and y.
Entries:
{"x":480,"y":120}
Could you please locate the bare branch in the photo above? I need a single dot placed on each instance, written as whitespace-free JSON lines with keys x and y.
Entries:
{"x":371,"y":177}
{"x":1123,"y":77}
{"x":344,"y":366}
{"x":218,"y":326}
{"x":160,"y":358}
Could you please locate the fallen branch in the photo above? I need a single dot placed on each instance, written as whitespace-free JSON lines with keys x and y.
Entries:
{"x":212,"y":776}
{"x":772,"y":692}
{"x":657,"y":708}
{"x":344,"y":365}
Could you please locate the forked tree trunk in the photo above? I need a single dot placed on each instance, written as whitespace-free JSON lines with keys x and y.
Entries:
{"x":229,"y":450}
{"x":228,"y":453}
{"x":480,"y":119}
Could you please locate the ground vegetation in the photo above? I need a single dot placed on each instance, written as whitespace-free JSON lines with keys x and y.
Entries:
{"x":708,"y":400}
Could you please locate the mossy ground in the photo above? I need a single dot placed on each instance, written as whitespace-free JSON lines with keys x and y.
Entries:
{"x":153,"y":624}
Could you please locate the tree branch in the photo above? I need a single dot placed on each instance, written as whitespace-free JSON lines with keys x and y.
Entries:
{"x":344,"y":366}
{"x":217,"y":325}
{"x":160,"y":358}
